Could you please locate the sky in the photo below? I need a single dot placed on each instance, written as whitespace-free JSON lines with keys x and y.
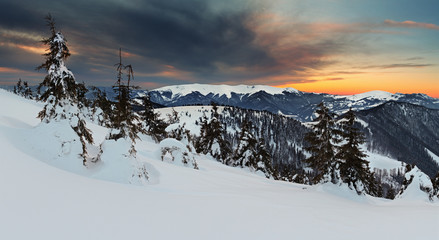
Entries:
{"x":330,"y":46}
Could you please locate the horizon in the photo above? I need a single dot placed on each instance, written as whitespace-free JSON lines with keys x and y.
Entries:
{"x":337,"y":94}
{"x":335,"y":47}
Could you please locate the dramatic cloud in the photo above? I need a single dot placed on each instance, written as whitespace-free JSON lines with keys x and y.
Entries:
{"x":207,"y":41}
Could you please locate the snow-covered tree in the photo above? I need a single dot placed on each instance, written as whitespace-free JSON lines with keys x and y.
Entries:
{"x":245,"y":154}
{"x":101,"y":107}
{"x":251,"y":152}
{"x":18,"y":88}
{"x":60,"y":91}
{"x":27,"y":92}
{"x":435,"y":191}
{"x":417,"y":184}
{"x":354,"y":168}
{"x":154,"y":125}
{"x":211,"y":138}
{"x":322,"y":148}
{"x":125,"y":123}
{"x":22,"y":88}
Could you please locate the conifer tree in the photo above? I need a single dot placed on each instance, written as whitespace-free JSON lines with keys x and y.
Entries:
{"x":211,"y":138}
{"x":60,"y":90}
{"x":18,"y":88}
{"x":125,"y":122}
{"x":155,"y":126}
{"x":264,"y":160}
{"x":22,"y":88}
{"x":245,"y":154}
{"x":435,"y":191}
{"x":354,"y":168}
{"x":322,"y":147}
{"x":101,"y":107}
{"x":27,"y":92}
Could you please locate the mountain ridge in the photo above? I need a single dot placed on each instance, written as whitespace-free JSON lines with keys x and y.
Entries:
{"x":290,"y":102}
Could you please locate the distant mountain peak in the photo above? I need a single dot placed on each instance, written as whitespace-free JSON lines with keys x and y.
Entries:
{"x":376,"y":94}
{"x":227,"y":90}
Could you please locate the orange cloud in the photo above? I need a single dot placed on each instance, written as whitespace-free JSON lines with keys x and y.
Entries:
{"x":9,"y":70}
{"x":411,"y":24}
{"x":32,"y":49}
{"x":149,"y":85}
{"x":169,"y":71}
{"x":126,"y":54}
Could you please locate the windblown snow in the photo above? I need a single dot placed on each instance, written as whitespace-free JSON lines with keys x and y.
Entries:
{"x":46,"y":193}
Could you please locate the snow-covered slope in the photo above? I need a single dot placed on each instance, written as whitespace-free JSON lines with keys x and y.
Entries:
{"x":40,"y":201}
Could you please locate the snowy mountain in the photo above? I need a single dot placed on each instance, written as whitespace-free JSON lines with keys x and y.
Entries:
{"x":220,"y":90}
{"x":288,"y":101}
{"x":404,"y":131}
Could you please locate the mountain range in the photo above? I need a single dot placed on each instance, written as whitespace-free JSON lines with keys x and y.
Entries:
{"x":286,"y":101}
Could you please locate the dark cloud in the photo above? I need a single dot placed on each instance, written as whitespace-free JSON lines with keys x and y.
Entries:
{"x":190,"y":35}
{"x":173,"y":41}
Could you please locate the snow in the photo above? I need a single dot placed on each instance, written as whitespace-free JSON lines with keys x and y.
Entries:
{"x":379,"y":161}
{"x":205,"y":89}
{"x":413,"y":191}
{"x":433,"y":156}
{"x":46,"y":193}
{"x":379,"y":95}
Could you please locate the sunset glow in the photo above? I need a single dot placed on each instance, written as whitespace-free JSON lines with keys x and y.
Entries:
{"x":338,"y":47}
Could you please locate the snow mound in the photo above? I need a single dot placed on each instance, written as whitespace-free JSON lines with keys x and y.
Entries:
{"x":227,"y":90}
{"x":419,"y":186}
{"x":177,"y":152}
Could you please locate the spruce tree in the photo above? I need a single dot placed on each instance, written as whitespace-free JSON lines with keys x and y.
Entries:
{"x":22,"y":88}
{"x":245,"y":154}
{"x":321,"y":145}
{"x":264,"y":160}
{"x":211,"y":138}
{"x":354,"y":168}
{"x":125,"y":122}
{"x":154,"y":126}
{"x":102,"y":107}
{"x":60,"y":90}
{"x":18,"y":89}
{"x":27,"y":92}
